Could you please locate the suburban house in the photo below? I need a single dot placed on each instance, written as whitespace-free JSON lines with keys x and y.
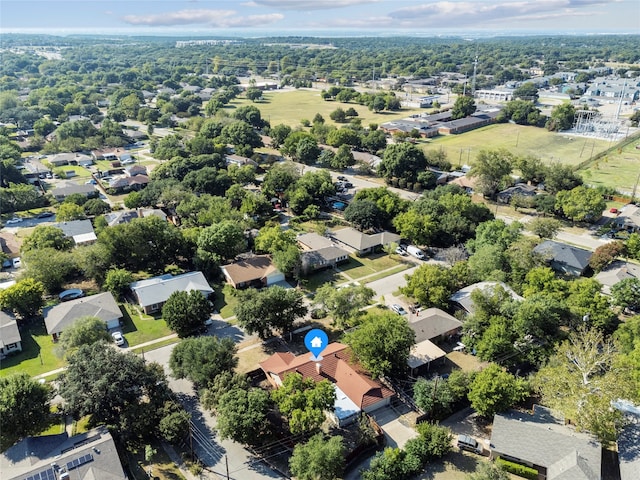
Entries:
{"x":103,"y":305}
{"x":90,"y":455}
{"x":430,"y":326}
{"x":462,"y":298}
{"x":519,"y":189}
{"x":126,"y":216}
{"x":136,"y":182}
{"x":10,"y":339}
{"x":152,"y":293}
{"x":239,"y":160}
{"x":468,"y":184}
{"x":564,"y":258}
{"x":363,"y":243}
{"x":81,"y":231}
{"x":134,"y":170}
{"x":616,"y":272}
{"x":355,"y":391}
{"x":62,"y":159}
{"x":258,"y":271}
{"x":541,"y":440}
{"x":319,"y":252}
{"x":628,"y":218}
{"x":86,"y":189}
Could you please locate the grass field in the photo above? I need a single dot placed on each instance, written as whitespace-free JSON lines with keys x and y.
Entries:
{"x":619,"y":169}
{"x":292,"y":106}
{"x":520,"y":140}
{"x":358,"y":267}
{"x":38,"y":353}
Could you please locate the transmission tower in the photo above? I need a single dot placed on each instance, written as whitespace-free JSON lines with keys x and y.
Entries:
{"x":473,"y":80}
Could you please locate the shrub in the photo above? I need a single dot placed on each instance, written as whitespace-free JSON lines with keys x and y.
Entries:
{"x":517,"y":469}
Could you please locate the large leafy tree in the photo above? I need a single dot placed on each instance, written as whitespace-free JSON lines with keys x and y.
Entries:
{"x":493,"y":390}
{"x":303,"y":402}
{"x":319,"y":459}
{"x":24,"y":408}
{"x":116,"y":389}
{"x":581,"y":204}
{"x":272,"y":238}
{"x":25,"y":298}
{"x":186,"y":312}
{"x":242,"y":415}
{"x":364,"y":215}
{"x":463,"y":107}
{"x":84,"y":331}
{"x":280,"y":178}
{"x":201,"y":359}
{"x":544,"y":227}
{"x":492,"y":169}
{"x":582,"y":378}
{"x":402,"y":160}
{"x":50,"y":267}
{"x":270,"y":310}
{"x":562,"y":117}
{"x":382,"y":343}
{"x":626,"y":294}
{"x":605,"y":255}
{"x":343,"y":304}
{"x":222,"y":383}
{"x":222,"y":240}
{"x":117,"y":281}
{"x":431,"y":285}
{"x":46,"y":236}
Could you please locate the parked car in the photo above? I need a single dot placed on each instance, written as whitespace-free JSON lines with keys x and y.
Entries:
{"x":459,"y":347}
{"x":342,"y":178}
{"x":398,"y":309}
{"x":45,"y":214}
{"x":348,"y":185}
{"x":13,"y":221}
{"x":118,"y":339}
{"x":401,"y":251}
{"x":16,"y":262}
{"x":416,"y":252}
{"x":465,"y":442}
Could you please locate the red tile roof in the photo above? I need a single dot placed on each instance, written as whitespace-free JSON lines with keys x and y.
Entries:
{"x":337,"y":367}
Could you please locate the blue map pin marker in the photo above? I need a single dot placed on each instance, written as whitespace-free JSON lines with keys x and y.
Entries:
{"x":316,"y":341}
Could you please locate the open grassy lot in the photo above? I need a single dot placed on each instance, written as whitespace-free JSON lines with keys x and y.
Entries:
{"x":521,"y":140}
{"x":226,"y":300}
{"x":38,"y":353}
{"x":619,"y":169}
{"x":292,"y":106}
{"x":140,"y":328}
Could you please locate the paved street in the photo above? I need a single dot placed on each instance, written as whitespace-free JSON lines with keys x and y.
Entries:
{"x":209,"y":448}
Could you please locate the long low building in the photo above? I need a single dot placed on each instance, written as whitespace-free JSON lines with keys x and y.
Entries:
{"x":152,"y":293}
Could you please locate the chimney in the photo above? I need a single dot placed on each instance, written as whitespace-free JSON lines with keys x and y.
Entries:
{"x":319,"y":368}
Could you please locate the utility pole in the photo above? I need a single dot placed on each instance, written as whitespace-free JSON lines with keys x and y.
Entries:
{"x":226,"y":462}
{"x":473,"y":81}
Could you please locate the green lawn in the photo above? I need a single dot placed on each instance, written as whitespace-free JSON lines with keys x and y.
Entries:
{"x":359,"y":267}
{"x":291,"y":107}
{"x":518,"y":139}
{"x":226,"y":300}
{"x":38,"y":353}
{"x":316,"y":280}
{"x":619,"y":169}
{"x":140,"y":328}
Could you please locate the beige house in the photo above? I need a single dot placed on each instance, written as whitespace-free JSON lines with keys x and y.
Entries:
{"x":254,"y":271}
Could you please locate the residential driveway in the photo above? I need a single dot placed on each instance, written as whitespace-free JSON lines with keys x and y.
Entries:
{"x":387,"y":285}
{"x":396,"y":433}
{"x":465,"y":422}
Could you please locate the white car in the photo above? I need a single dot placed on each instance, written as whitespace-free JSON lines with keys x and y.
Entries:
{"x":13,"y":220}
{"x":118,"y":338}
{"x":398,"y":309}
{"x":16,"y":262}
{"x":459,"y":347}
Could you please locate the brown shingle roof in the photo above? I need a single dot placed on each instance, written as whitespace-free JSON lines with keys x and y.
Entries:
{"x":254,"y":268}
{"x":337,"y":367}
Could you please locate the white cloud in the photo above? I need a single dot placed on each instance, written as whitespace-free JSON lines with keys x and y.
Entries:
{"x":469,"y":13}
{"x":309,"y":4}
{"x":213,"y":18}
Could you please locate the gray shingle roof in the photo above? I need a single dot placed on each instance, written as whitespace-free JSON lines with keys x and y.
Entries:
{"x":36,"y":454}
{"x":75,"y":227}
{"x":616,"y":272}
{"x":543,"y":440}
{"x":565,"y":258}
{"x":463,"y":296}
{"x":362,"y":241}
{"x":102,"y":305}
{"x":432,"y":323}
{"x":314,"y":241}
{"x":158,"y":289}
{"x":9,"y":332}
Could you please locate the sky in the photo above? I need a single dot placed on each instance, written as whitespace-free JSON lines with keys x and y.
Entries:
{"x":314,"y":17}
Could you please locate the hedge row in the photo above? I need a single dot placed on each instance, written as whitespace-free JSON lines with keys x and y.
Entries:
{"x":517,"y":469}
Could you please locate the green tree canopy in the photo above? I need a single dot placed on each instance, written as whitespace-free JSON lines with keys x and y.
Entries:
{"x":382,"y":343}
{"x":46,"y":236}
{"x":84,"y":331}
{"x":319,"y":458}
{"x":25,"y":297}
{"x":270,"y":310}
{"x":202,"y":359}
{"x":431,"y":285}
{"x":493,"y":390}
{"x":581,"y":204}
{"x":492,"y":169}
{"x":24,"y":408}
{"x":186,"y":312}
{"x":343,"y":304}
{"x":402,"y":160}
{"x":242,"y":415}
{"x":463,"y":107}
{"x":303,"y":402}
{"x":117,"y":281}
